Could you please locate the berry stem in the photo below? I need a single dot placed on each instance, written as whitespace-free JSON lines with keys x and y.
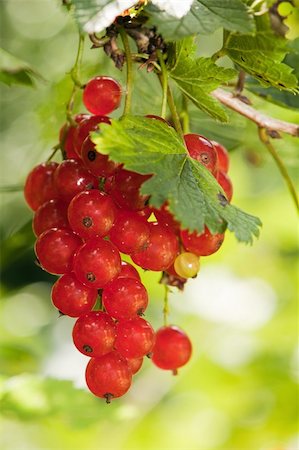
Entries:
{"x":75,"y":73}
{"x":173,"y":110}
{"x":185,"y":115}
{"x":166,"y":306}
{"x":164,"y":83}
{"x":264,"y":137}
{"x":128,"y":99}
{"x":55,"y":149}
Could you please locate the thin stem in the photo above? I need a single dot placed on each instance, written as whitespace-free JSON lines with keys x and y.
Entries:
{"x":55,"y":149}
{"x":11,"y":188}
{"x":266,"y":141}
{"x":173,"y":110}
{"x":75,"y":74}
{"x":166,"y":306}
{"x":164,"y":83}
{"x":128,"y":99}
{"x":185,"y":115}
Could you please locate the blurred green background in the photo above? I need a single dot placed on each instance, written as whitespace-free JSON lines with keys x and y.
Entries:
{"x":239,"y":391}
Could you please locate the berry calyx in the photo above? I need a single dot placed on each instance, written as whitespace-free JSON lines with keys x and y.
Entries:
{"x":201,"y":149}
{"x":102,"y":95}
{"x":98,"y":164}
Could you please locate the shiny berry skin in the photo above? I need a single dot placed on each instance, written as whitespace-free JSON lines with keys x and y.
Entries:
{"x":91,"y":213}
{"x":94,"y":334}
{"x":164,"y":216}
{"x":97,"y":262}
{"x":226,"y":184}
{"x":102,"y":95}
{"x":135,"y":364}
{"x":186,"y":265}
{"x":128,"y":271}
{"x":39,"y":185}
{"x":202,"y":150}
{"x":130,"y":232}
{"x":71,"y":297}
{"x":71,"y":178}
{"x":108,"y":376}
{"x":52,"y":214}
{"x":85,"y":127}
{"x":172,"y":348}
{"x":66,"y":137}
{"x":98,"y":164}
{"x":125,"y":298}
{"x":124,"y":188}
{"x":161,"y":251}
{"x":223,"y":156}
{"x":203,"y":244}
{"x":134,"y":338}
{"x":55,"y":250}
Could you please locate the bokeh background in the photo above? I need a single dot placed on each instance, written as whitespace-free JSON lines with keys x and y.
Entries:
{"x":239,"y":391}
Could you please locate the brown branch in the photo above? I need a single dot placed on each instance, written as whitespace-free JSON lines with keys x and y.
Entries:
{"x":262,"y":120}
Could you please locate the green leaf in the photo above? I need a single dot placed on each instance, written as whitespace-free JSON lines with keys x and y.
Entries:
{"x":15,"y":71}
{"x":196,"y":77}
{"x":205,"y":17}
{"x":261,"y":57}
{"x":194,"y":197}
{"x":87,"y":9}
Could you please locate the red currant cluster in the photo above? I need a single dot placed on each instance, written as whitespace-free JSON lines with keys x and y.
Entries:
{"x":88,"y":210}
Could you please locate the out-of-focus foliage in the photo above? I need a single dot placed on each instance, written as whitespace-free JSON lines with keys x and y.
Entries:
{"x":239,"y":390}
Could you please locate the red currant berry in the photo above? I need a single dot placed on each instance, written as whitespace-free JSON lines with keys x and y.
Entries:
{"x":102,"y":95}
{"x":39,"y":186}
{"x":203,"y":244}
{"x":226,"y":184}
{"x":128,"y":271}
{"x":97,"y":262}
{"x":134,"y":338}
{"x":66,"y":137}
{"x":172,"y":348}
{"x":55,"y":250}
{"x":166,"y":218}
{"x":161,"y":251}
{"x":108,"y":376}
{"x":94,"y":334}
{"x":71,"y":297}
{"x":98,"y":164}
{"x":88,"y":125}
{"x":130,"y":232}
{"x":223,"y":156}
{"x":124,"y":188}
{"x":125,"y":298}
{"x":135,"y":364}
{"x":71,"y":178}
{"x":202,"y":150}
{"x":91,"y":213}
{"x":52,"y":214}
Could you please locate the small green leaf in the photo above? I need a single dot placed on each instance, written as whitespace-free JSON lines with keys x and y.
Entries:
{"x":205,"y":17}
{"x":196,"y":77}
{"x":15,"y":71}
{"x":261,"y":57}
{"x":194,"y":197}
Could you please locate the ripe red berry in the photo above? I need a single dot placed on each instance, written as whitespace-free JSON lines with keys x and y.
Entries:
{"x":94,"y":334}
{"x":130,"y":232}
{"x":98,"y":164}
{"x":108,"y":376}
{"x":91,"y":213}
{"x":66,"y":137}
{"x":164,"y":216}
{"x":97,"y":262}
{"x":71,"y":178}
{"x":85,"y":127}
{"x":203,"y":244}
{"x":102,"y":95}
{"x":223,"y":156}
{"x":134,"y":338}
{"x":39,"y":185}
{"x":226,"y":184}
{"x":172,"y":348}
{"x":161,"y":251}
{"x":135,"y":364}
{"x":128,"y":271}
{"x":55,"y":250}
{"x":71,"y":297}
{"x":125,"y":298}
{"x":52,"y":214}
{"x":202,"y":150}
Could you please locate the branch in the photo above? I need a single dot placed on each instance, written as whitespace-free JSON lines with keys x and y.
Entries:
{"x":263,"y":121}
